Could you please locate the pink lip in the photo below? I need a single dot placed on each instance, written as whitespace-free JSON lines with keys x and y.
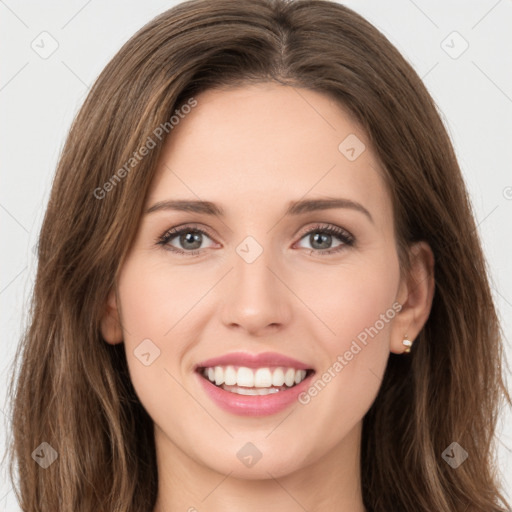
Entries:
{"x":263,"y":360}
{"x":253,"y":405}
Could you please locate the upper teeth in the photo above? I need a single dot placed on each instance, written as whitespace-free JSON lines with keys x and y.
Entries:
{"x":258,"y":377}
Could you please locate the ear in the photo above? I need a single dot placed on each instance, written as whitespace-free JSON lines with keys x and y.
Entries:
{"x":110,"y":325}
{"x":415,"y":294}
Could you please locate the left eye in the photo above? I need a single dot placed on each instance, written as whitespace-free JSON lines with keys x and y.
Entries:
{"x":191,"y":238}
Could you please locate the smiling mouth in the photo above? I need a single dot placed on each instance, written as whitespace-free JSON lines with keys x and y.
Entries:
{"x":254,"y":381}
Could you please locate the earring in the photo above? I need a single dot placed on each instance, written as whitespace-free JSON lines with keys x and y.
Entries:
{"x":407,"y":343}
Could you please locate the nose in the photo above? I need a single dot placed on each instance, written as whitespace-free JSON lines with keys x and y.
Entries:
{"x":257,"y":297}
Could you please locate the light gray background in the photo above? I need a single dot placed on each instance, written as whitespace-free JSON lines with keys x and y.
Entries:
{"x":39,"y":98}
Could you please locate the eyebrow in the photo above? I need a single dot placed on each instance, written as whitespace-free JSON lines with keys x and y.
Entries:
{"x":294,"y":207}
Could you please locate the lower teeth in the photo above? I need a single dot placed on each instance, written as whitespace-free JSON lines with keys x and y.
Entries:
{"x":252,"y":391}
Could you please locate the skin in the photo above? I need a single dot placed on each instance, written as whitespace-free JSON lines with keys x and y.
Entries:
{"x":252,"y":150}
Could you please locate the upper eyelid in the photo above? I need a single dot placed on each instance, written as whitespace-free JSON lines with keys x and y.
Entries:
{"x":175,"y":231}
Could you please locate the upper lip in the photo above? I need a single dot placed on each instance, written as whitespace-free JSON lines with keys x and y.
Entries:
{"x":262,"y":360}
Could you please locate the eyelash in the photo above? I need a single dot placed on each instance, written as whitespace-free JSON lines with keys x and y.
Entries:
{"x":343,"y":235}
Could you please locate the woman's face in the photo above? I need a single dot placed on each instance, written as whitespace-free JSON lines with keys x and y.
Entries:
{"x":262,"y":276}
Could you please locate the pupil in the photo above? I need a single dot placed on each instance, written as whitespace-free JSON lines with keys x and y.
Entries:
{"x":326,"y":237}
{"x":190,"y":238}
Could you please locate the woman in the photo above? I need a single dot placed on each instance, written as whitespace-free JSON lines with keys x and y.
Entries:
{"x":249,"y":371}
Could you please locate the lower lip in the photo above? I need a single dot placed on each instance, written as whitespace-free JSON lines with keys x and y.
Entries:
{"x":254,"y":405}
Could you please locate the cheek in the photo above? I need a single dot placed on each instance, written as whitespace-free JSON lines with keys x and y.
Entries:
{"x":358,"y":304}
{"x":157,"y":298}
{"x":359,"y":312}
{"x":160,"y":319}
{"x":146,"y":318}
{"x":142,"y":302}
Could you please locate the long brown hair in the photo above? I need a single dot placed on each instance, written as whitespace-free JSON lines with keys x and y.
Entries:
{"x":73,"y":390}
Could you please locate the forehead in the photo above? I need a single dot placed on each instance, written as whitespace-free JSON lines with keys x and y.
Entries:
{"x":239,"y":145}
